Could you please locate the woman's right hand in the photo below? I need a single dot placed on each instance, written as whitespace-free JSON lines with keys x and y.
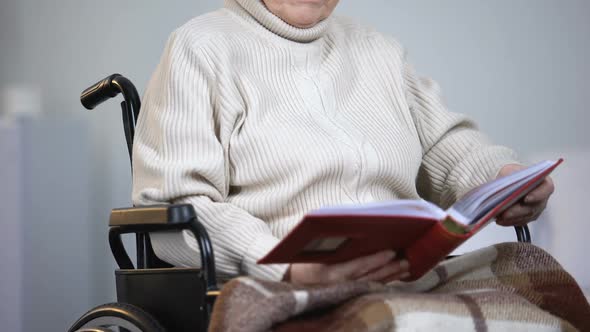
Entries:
{"x":380,"y":267}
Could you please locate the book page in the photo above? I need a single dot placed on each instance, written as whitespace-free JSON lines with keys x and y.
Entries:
{"x":402,"y":207}
{"x":481,"y":200}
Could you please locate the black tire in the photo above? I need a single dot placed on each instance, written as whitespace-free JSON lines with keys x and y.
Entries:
{"x":122,"y":315}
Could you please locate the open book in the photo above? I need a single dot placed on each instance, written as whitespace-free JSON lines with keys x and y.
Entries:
{"x":421,"y":231}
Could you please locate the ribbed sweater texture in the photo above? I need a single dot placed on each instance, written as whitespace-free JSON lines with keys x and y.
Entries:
{"x":255,"y":122}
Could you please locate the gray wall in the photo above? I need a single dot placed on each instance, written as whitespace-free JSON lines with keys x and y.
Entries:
{"x":518,"y":67}
{"x":11,"y":241}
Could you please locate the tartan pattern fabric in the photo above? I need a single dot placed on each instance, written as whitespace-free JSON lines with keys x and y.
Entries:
{"x":505,"y":287}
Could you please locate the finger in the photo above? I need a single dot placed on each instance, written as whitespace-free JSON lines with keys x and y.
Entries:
{"x":521,"y":221}
{"x":517,"y":211}
{"x":536,"y":212}
{"x":360,"y":266}
{"x":394,"y":277}
{"x":540,"y":209}
{"x":394,"y":268}
{"x":514,"y":222}
{"x":541,"y":193}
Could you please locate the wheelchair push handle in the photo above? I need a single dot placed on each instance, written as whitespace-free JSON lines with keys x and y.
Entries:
{"x":108,"y":88}
{"x":99,"y":92}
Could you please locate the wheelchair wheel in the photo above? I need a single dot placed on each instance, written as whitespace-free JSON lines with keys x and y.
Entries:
{"x":116,"y":317}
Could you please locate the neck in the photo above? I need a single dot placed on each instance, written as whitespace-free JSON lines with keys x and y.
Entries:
{"x":257,"y":10}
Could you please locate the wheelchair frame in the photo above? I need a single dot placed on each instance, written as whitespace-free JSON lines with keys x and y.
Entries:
{"x":155,"y":296}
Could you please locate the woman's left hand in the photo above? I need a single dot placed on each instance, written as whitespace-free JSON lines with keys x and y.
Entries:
{"x":530,"y":207}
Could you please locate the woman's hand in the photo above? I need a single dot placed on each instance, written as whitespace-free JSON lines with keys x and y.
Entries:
{"x":531,"y":206}
{"x":379,"y":267}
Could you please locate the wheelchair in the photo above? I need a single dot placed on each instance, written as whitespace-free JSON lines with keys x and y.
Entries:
{"x":154,"y":296}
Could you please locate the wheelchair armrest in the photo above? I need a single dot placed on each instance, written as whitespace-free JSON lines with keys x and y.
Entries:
{"x":153,"y":215}
{"x":160,"y":218}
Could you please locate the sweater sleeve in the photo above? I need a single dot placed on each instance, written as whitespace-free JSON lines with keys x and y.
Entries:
{"x":457,"y":157}
{"x":180,"y":155}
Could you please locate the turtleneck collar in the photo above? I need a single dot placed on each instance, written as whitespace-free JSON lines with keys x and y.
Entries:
{"x":257,"y":10}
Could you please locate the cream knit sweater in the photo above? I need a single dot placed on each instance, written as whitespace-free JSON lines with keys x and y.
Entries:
{"x":255,"y":122}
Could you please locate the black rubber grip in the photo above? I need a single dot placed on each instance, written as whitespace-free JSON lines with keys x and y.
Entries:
{"x":99,"y":92}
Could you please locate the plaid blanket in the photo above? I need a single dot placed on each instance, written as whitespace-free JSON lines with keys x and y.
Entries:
{"x":506,"y":287}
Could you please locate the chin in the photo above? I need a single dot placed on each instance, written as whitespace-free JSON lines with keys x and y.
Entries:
{"x":305,"y":20}
{"x":316,"y":3}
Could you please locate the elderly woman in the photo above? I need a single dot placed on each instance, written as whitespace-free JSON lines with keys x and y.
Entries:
{"x":264,"y":110}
